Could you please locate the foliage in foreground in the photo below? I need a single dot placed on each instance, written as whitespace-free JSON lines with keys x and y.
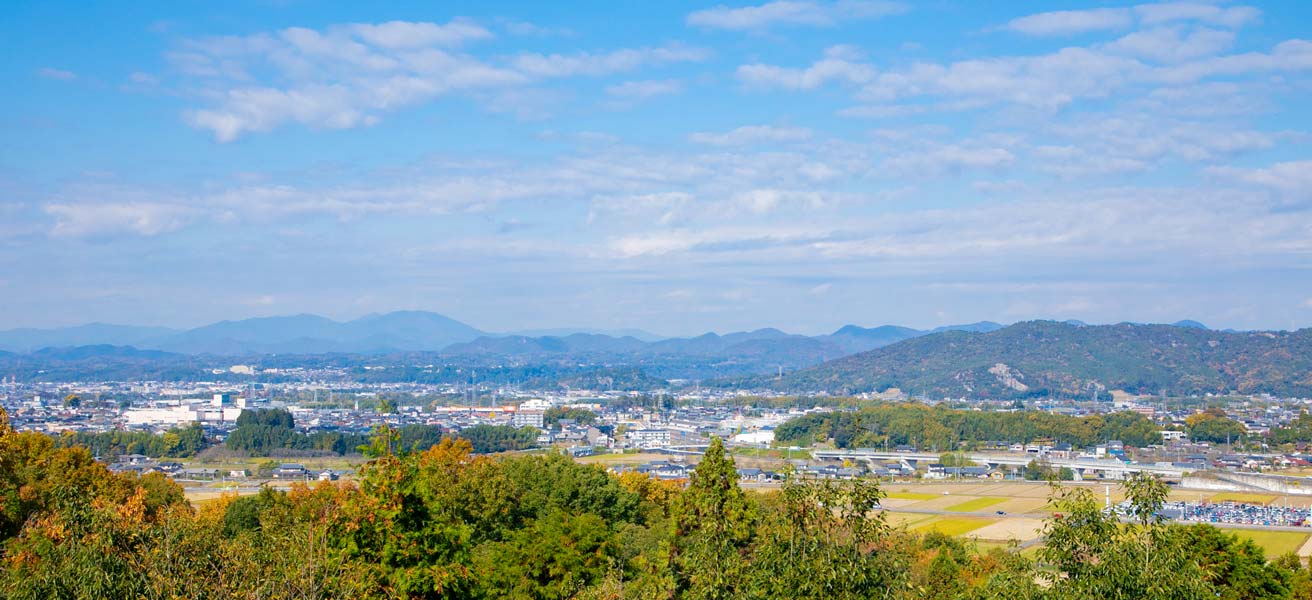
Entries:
{"x":446,"y":523}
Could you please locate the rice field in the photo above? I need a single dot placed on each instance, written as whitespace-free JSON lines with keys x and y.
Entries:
{"x":977,"y":504}
{"x":1274,"y":543}
{"x":952,"y":525}
{"x":911,"y":496}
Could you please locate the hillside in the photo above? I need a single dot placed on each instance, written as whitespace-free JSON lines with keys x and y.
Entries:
{"x":1038,"y":358}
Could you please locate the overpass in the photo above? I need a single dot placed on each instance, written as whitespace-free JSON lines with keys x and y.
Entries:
{"x":1079,"y":465}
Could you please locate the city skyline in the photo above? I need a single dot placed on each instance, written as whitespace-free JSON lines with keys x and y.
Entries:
{"x":674,"y":167}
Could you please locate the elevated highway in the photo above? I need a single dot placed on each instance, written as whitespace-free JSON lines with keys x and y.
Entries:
{"x":1081,"y":466}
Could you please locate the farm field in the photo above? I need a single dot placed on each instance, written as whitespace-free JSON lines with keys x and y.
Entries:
{"x":976,"y":504}
{"x":932,"y":506}
{"x":1275,"y":543}
{"x":952,"y":525}
{"x":1246,"y":498}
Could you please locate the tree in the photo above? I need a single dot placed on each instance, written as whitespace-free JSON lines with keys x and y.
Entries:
{"x":72,"y":401}
{"x":713,"y":528}
{"x":385,"y":406}
{"x":1214,"y":426}
{"x":819,"y":548}
{"x":582,"y":416}
{"x":1095,"y":557}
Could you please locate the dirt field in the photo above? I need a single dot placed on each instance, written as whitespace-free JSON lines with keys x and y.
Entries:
{"x":1021,"y":530}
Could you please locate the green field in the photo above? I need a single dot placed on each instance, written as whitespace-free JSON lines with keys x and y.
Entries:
{"x":1274,"y":543}
{"x":912,"y":496}
{"x":1243,"y":497}
{"x":976,"y":504}
{"x":952,"y":525}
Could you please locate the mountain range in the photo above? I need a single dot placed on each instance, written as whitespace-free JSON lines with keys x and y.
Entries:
{"x":1041,"y":358}
{"x":1032,"y":359}
{"x":418,"y":331}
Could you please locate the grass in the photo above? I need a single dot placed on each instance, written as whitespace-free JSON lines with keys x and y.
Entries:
{"x":976,"y":504}
{"x":1243,"y":497}
{"x":952,"y":525}
{"x":912,"y":496}
{"x":1274,"y":543}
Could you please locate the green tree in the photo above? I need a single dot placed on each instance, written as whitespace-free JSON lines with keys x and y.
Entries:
{"x":714,"y":526}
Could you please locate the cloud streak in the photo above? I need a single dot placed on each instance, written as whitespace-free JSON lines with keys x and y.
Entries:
{"x":352,"y":75}
{"x":798,"y":13}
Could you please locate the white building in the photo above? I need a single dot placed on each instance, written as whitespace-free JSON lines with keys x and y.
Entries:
{"x":648,"y":438}
{"x":527,"y":418}
{"x":530,"y":413}
{"x":764,"y":436}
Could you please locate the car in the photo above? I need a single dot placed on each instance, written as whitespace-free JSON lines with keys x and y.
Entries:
{"x":1002,"y":512}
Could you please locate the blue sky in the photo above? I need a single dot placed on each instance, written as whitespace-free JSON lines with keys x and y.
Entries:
{"x":672,"y":166}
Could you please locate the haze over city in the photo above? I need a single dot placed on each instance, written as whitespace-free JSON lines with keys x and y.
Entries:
{"x":669,"y":166}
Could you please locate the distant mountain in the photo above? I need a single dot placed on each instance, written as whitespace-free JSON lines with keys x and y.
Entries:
{"x":310,"y":334}
{"x":27,"y":339}
{"x":98,"y":351}
{"x":853,"y":339}
{"x":979,"y":327}
{"x":298,"y":334}
{"x":712,"y":343}
{"x":638,"y":334}
{"x":524,"y":346}
{"x":1189,"y":323}
{"x":1038,"y":358}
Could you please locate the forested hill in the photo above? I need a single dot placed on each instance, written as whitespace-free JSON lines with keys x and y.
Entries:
{"x":1038,"y":358}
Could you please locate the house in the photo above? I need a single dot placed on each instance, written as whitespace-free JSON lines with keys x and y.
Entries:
{"x":133,"y":459}
{"x":755,"y":475}
{"x":198,"y":474}
{"x":290,"y":471}
{"x":169,"y":467}
{"x":328,"y":475}
{"x":666,"y":470}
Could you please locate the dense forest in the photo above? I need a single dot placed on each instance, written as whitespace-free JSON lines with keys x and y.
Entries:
{"x":940,"y":428}
{"x":445,"y":523}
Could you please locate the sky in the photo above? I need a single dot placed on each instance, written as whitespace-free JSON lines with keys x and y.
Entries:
{"x":672,"y":166}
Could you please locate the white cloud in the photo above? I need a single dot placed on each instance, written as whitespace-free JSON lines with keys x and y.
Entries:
{"x":882,"y":111}
{"x":1071,"y":22}
{"x":949,"y":157}
{"x":404,"y":34}
{"x":351,"y":75}
{"x":1292,"y":177}
{"x":752,"y":134}
{"x":1234,"y":16}
{"x":606,"y":63}
{"x":792,"y":12}
{"x":58,"y":74}
{"x":1173,"y":44}
{"x":641,"y":90}
{"x":1043,"y":82}
{"x":139,"y":218}
{"x":840,"y":64}
{"x":1067,"y":22}
{"x":139,"y":78}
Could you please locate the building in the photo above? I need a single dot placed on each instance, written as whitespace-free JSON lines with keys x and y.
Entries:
{"x":530,"y":414}
{"x":290,"y":471}
{"x":648,"y":438}
{"x":1174,"y":436}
